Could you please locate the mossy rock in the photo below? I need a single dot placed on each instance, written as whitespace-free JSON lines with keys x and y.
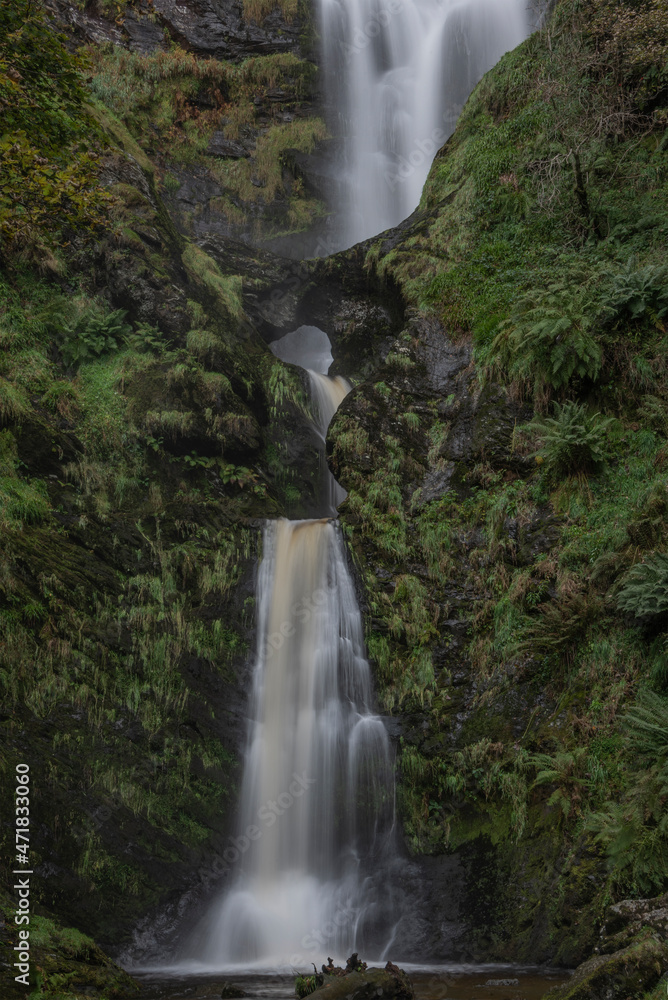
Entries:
{"x":370,"y":984}
{"x":626,"y":974}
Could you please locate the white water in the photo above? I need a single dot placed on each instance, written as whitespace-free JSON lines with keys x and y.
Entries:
{"x":317,"y":808}
{"x":309,"y":347}
{"x":397,"y":74}
{"x":315,"y":848}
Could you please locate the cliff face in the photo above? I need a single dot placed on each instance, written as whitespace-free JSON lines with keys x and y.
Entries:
{"x":512,"y":572}
{"x":513,"y":567}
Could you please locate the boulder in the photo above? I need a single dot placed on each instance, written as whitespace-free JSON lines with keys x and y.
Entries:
{"x":628,"y":973}
{"x":390,"y":983}
{"x":227,"y":148}
{"x":231,"y":991}
{"x":630,"y":915}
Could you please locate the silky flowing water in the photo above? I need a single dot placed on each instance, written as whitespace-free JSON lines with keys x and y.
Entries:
{"x":315,"y":850}
{"x":317,"y":800}
{"x":315,"y":858}
{"x":396,"y":76}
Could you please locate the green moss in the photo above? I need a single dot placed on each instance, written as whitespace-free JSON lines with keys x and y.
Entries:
{"x":224,"y":289}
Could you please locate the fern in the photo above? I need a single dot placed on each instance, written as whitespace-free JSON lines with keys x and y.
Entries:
{"x":549,"y":339}
{"x":564,"y":769}
{"x":572,"y":441}
{"x":644,"y":592}
{"x":647,"y":726}
{"x":637,"y":291}
{"x":635,"y":830}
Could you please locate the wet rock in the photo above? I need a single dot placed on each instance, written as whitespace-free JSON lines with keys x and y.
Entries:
{"x":143,"y":36}
{"x":210,"y":27}
{"x":630,"y":972}
{"x":231,"y":991}
{"x":205,"y":27}
{"x":391,"y":983}
{"x":626,"y":919}
{"x":220,"y":146}
{"x":319,"y":170}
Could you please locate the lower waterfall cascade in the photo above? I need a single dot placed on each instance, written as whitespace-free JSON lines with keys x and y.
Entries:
{"x":316,"y":835}
{"x":396,"y":76}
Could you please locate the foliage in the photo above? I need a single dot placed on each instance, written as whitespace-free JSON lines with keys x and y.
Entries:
{"x":23,"y":500}
{"x":305,"y":985}
{"x":257,"y":10}
{"x":644,"y":591}
{"x":92,"y":333}
{"x":565,"y":769}
{"x":547,"y":340}
{"x":635,"y":829}
{"x":41,"y":85}
{"x":572,"y":441}
{"x":49,"y":144}
{"x":636,"y":292}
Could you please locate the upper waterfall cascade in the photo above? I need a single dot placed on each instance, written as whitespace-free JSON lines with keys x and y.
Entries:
{"x":397,"y":74}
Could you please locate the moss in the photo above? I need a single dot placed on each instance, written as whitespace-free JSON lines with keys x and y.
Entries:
{"x":225,"y":290}
{"x":64,"y":962}
{"x":630,"y":972}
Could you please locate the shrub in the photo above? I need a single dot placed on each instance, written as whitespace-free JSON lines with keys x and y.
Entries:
{"x":548,"y":338}
{"x":644,"y":592}
{"x":635,"y":830}
{"x":637,"y":291}
{"x":304,"y":985}
{"x":48,"y":155}
{"x":572,"y":441}
{"x":92,"y":333}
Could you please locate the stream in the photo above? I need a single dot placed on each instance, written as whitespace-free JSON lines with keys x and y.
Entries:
{"x":445,"y":982}
{"x":316,"y":862}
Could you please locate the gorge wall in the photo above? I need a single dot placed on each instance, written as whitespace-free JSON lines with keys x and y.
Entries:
{"x":511,"y":571}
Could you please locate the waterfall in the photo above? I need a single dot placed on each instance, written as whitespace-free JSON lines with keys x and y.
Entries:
{"x":317,"y":803}
{"x":315,"y":849}
{"x":397,"y":74}
{"x":327,"y":394}
{"x":310,"y":348}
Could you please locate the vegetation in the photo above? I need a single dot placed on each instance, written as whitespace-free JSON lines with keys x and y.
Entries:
{"x":510,"y":532}
{"x":304,"y":985}
{"x":49,"y":146}
{"x":532,"y":519}
{"x":172,"y":103}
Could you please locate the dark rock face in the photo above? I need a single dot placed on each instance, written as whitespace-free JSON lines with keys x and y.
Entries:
{"x":206,"y":27}
{"x":227,"y":148}
{"x":231,"y":991}
{"x":217,"y":28}
{"x":320,"y":170}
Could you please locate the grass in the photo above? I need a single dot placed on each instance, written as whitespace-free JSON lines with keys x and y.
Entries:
{"x":176,"y":101}
{"x":549,"y":265}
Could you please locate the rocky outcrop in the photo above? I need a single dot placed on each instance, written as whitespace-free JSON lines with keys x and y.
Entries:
{"x":218,"y":28}
{"x":213,"y":28}
{"x":627,"y":918}
{"x":629,"y":973}
{"x":389,"y":983}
